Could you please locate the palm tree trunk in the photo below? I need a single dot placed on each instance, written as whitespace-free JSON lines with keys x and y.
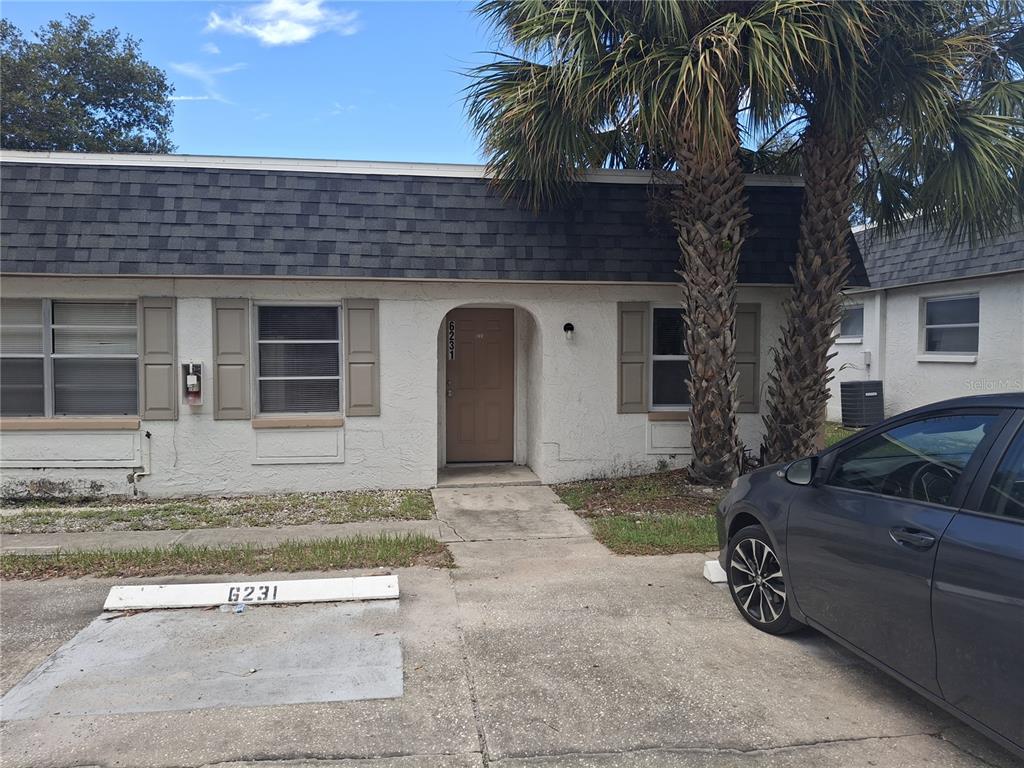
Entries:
{"x":710,"y":214}
{"x":798,"y":385}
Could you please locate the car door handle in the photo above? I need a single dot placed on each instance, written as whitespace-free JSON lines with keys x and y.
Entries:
{"x":911,"y":537}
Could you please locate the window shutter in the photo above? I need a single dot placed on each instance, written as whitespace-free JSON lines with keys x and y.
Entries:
{"x":231,"y":359}
{"x":632,"y":362}
{"x":157,"y":336}
{"x":748,"y":356}
{"x":362,"y":358}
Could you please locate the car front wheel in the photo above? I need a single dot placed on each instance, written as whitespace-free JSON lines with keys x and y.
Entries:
{"x":757,"y":583}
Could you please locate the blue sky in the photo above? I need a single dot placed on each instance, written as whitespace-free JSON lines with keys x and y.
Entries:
{"x":304,"y":78}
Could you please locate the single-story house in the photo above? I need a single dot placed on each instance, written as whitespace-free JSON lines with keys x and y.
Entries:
{"x":217,"y":325}
{"x":936,"y":320}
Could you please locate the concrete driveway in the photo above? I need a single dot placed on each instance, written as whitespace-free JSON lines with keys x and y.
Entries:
{"x":540,"y":649}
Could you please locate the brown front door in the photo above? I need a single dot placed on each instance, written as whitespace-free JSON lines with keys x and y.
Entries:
{"x":480,"y":376}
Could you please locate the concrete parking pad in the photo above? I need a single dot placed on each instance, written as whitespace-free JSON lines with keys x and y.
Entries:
{"x":432,"y":720}
{"x":540,"y":649}
{"x":575,"y":652}
{"x":411,"y":761}
{"x":924,"y":751}
{"x":37,"y":618}
{"x":194,"y":658}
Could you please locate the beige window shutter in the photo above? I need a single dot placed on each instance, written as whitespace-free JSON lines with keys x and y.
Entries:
{"x":158,"y":390}
{"x":362,"y":358}
{"x":634,"y":328}
{"x":748,"y":356}
{"x":231,"y":359}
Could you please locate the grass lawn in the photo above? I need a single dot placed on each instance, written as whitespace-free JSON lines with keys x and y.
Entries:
{"x":834,"y":432}
{"x":656,"y":514}
{"x":202,"y":512}
{"x":664,"y":535}
{"x":319,"y":555}
{"x":656,"y":494}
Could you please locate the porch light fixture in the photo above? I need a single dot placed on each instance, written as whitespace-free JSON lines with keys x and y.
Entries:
{"x":568,"y":328}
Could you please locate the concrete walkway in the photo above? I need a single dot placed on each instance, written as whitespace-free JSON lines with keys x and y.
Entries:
{"x":541,"y":649}
{"x":518,"y":509}
{"x":505,"y":513}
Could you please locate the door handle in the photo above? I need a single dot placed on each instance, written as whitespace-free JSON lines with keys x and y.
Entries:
{"x":911,"y":537}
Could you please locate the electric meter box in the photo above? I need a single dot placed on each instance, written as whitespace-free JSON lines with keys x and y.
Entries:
{"x":192,"y":383}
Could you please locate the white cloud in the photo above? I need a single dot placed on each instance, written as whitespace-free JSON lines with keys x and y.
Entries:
{"x":210,"y":48}
{"x":285,"y":22}
{"x":207,"y":77}
{"x":339,"y":109}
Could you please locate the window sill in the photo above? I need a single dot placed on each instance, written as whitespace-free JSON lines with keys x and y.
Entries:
{"x":668,"y":415}
{"x":850,"y":340}
{"x":935,"y":358}
{"x":68,"y":423}
{"x":304,"y":421}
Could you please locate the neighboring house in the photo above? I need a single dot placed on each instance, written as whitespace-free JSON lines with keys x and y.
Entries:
{"x":938,"y":320}
{"x":351,"y":325}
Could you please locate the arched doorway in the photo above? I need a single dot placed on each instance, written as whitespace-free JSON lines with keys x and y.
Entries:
{"x":485,"y":356}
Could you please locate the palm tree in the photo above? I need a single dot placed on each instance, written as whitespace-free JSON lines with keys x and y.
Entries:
{"x":924,"y":120}
{"x":659,"y":85}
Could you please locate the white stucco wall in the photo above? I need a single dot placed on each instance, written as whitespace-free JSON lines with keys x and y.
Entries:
{"x":566,"y":423}
{"x":910,"y":377}
{"x":911,"y":381}
{"x":858,"y":360}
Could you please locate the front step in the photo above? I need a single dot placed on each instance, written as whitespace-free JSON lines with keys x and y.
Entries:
{"x":485,"y":475}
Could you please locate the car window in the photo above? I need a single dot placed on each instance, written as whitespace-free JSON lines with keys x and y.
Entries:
{"x":1005,"y":494}
{"x":921,"y":460}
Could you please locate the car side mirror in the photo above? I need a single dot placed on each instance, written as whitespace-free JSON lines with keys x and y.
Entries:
{"x":801,"y":471}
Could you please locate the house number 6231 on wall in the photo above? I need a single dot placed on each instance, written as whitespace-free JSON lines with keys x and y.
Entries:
{"x":451,"y":339}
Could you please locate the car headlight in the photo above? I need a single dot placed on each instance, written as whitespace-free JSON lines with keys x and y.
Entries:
{"x":735,"y":483}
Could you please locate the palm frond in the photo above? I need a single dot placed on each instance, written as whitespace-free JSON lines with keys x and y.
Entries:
{"x":530,"y":137}
{"x":970,"y":183}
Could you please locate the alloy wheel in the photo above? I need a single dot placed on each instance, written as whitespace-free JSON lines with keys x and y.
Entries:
{"x":757,"y":582}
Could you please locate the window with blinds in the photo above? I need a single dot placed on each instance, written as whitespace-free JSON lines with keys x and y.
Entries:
{"x":95,"y":359}
{"x":670,"y":365}
{"x":299,"y":359}
{"x":22,"y":358}
{"x":851,"y":324}
{"x":951,"y":324}
{"x":68,"y":358}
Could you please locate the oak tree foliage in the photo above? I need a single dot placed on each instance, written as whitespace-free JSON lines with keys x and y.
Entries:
{"x":75,"y":88}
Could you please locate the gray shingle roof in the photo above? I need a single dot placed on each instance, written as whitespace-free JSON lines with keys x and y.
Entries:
{"x":914,"y":256}
{"x":120,"y":220}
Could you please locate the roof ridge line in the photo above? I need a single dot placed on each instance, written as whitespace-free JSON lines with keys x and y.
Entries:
{"x":316,"y":165}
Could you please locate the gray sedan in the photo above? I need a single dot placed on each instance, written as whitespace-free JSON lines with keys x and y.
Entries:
{"x":904,"y":543}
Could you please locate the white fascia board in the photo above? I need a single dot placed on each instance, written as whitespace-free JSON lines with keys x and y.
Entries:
{"x":368,"y":167}
{"x":860,"y":290}
{"x":149,"y":596}
{"x":217,"y":162}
